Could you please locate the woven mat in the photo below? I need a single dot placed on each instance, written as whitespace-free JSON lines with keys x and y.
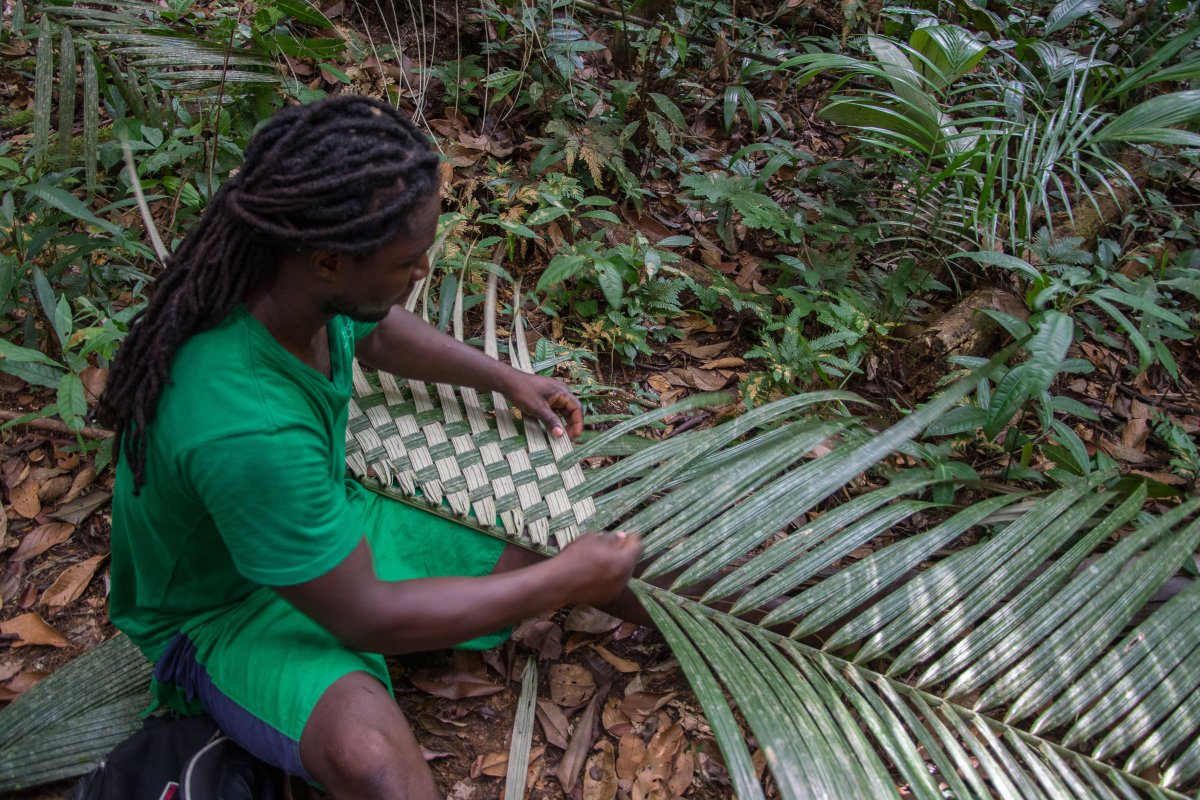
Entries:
{"x":464,"y":455}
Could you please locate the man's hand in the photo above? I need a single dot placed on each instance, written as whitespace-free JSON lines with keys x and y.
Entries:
{"x":598,"y":566}
{"x":406,"y":345}
{"x":547,"y":400}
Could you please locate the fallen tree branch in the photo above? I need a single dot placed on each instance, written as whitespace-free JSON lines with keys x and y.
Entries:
{"x":55,"y":425}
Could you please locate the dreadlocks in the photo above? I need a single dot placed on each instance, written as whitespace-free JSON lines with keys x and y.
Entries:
{"x":340,"y":175}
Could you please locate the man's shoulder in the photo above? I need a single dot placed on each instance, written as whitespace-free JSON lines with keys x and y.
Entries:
{"x":215,"y":387}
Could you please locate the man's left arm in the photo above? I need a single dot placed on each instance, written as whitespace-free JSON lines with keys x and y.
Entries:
{"x":405,"y":345}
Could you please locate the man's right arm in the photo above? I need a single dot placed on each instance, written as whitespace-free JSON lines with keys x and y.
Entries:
{"x":394,"y":617}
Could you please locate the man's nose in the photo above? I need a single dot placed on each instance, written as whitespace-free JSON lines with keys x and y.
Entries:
{"x":422,"y":268}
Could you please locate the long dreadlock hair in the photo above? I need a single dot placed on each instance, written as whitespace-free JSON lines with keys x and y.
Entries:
{"x":339,"y":174}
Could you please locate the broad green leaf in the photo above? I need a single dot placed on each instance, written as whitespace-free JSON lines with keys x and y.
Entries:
{"x":69,"y":203}
{"x":63,"y":319}
{"x":302,"y":12}
{"x":601,"y":213}
{"x":1068,"y":11}
{"x":949,"y":51}
{"x":543,"y":215}
{"x":1150,"y":120}
{"x":667,"y":106}
{"x":32,"y":372}
{"x":72,"y":401}
{"x":44,"y":292}
{"x":562,"y":267}
{"x":12,"y":353}
{"x":1003,"y":260}
{"x":611,"y":284}
{"x":729,"y":106}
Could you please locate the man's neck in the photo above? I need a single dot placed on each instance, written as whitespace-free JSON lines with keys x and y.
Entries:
{"x":295,"y":324}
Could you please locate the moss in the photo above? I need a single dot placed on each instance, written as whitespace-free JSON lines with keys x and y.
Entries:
{"x":16,"y":119}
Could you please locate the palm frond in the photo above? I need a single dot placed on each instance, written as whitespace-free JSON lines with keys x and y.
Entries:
{"x":1025,"y":645}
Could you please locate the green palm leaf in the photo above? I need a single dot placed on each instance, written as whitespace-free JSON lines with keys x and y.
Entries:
{"x":1025,"y":645}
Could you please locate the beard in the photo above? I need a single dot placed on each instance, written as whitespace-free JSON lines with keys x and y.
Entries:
{"x":357,"y":311}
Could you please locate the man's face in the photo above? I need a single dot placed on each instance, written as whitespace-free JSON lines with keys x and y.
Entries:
{"x":380,"y":280}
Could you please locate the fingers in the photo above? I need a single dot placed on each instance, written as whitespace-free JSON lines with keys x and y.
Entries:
{"x":568,"y":405}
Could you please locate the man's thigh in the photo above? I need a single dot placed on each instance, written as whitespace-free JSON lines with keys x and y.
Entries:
{"x":259,"y":671}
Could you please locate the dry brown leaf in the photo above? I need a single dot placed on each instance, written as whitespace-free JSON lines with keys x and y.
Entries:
{"x":1169,"y":478}
{"x":683,"y":772}
{"x":570,"y":684}
{"x":546,"y":638}
{"x":554,"y":723}
{"x":41,"y":539}
{"x":31,"y":629}
{"x":26,"y":681}
{"x":724,"y":363}
{"x":631,"y":754}
{"x":494,"y":765}
{"x":695,"y":323}
{"x":80,"y":508}
{"x":14,"y":471}
{"x":626,"y":630}
{"x":581,"y":743}
{"x":1136,"y":431}
{"x":639,"y":705}
{"x":747,"y":270}
{"x":10,"y":580}
{"x":9,"y":669}
{"x":651,"y":779}
{"x":590,"y":620}
{"x":1120,"y":452}
{"x":704,"y":352}
{"x":614,"y":720}
{"x":70,"y":584}
{"x":665,"y":743}
{"x":466,"y":677}
{"x":707,"y":380}
{"x":600,"y":774}
{"x":29,"y":596}
{"x":668,"y":398}
{"x":658,"y":383}
{"x":25,"y":498}
{"x":54,"y":488}
{"x":621,"y":664}
{"x":83,"y":479}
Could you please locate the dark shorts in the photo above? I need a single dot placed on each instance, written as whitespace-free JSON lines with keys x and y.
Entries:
{"x":258,"y":668}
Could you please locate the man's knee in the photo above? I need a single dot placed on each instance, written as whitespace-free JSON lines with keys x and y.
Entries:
{"x":358,"y":744}
{"x":366,"y":758}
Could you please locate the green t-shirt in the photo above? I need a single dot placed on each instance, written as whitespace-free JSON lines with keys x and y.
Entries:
{"x":245,"y":480}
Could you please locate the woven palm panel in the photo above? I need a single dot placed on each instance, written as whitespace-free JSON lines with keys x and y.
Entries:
{"x":465,"y":455}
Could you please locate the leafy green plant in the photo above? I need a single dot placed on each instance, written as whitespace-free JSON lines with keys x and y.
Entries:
{"x":739,"y":197}
{"x":82,"y":333}
{"x":1148,"y":310}
{"x":636,"y":283}
{"x":984,"y":149}
{"x":1185,"y":456}
{"x":599,"y":145}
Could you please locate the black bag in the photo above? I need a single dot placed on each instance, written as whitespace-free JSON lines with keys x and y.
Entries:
{"x":180,"y":759}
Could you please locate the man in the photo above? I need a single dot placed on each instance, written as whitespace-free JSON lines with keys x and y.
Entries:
{"x":262,"y":584}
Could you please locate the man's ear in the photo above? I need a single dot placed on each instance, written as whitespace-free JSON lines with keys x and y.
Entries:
{"x":329,"y":264}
